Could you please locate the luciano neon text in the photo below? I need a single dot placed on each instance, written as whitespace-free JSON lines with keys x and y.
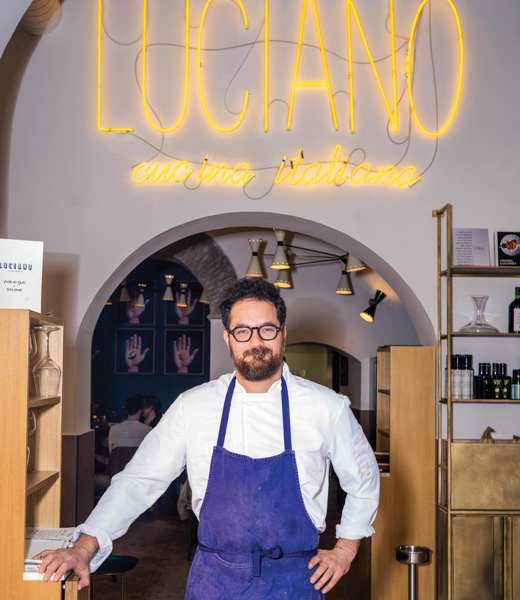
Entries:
{"x":309,"y":21}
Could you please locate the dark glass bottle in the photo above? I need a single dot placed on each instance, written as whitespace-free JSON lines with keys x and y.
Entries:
{"x":506,"y":382}
{"x":483,"y":381}
{"x":496,"y":387}
{"x":514,"y":313}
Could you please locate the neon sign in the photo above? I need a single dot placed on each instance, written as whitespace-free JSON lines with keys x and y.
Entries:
{"x":293,"y":172}
{"x":296,"y":83}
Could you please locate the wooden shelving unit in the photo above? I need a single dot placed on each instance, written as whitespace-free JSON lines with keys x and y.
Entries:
{"x":30,"y":472}
{"x":478,"y":484}
{"x":405,"y":423}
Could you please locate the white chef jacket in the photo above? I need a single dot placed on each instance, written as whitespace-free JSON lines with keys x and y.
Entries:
{"x":323,"y":430}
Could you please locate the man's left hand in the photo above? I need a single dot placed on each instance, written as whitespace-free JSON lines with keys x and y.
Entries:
{"x":333,"y":564}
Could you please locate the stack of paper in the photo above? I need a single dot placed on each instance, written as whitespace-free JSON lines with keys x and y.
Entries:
{"x":38,"y":539}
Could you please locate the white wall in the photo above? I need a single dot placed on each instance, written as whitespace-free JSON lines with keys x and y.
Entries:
{"x":70,"y":185}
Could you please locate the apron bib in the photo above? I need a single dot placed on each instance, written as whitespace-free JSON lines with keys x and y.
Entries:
{"x":255,"y":535}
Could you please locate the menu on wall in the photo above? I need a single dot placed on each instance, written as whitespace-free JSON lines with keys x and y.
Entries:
{"x":471,"y":247}
{"x":21,"y":265}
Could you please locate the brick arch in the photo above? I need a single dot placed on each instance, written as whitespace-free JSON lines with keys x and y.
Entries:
{"x":203,"y":257}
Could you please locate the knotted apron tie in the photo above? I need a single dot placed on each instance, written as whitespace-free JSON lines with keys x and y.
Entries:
{"x":258,"y":553}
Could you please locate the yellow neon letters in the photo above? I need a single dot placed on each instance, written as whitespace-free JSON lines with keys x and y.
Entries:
{"x":352,"y":17}
{"x":199,"y":71}
{"x":325,"y":83}
{"x":409,"y":71}
{"x":393,"y":116}
{"x":100,"y":31}
{"x":186,"y":70}
{"x":362,"y":173}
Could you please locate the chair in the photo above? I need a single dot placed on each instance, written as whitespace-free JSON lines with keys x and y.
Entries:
{"x":119,"y":458}
{"x":113,"y":566}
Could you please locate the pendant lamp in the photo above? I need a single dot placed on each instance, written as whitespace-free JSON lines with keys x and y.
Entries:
{"x":140,"y":299}
{"x":283,"y":280}
{"x":354,"y":264}
{"x":344,"y":286}
{"x":182,"y":303}
{"x":255,"y":268}
{"x":280,"y":260}
{"x":168,"y":294}
{"x":124,"y":296}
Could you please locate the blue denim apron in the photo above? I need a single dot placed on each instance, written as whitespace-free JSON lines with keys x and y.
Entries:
{"x":255,"y":535}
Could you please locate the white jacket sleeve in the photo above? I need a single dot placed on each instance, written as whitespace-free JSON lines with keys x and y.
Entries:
{"x":356,"y":467}
{"x":159,"y":460}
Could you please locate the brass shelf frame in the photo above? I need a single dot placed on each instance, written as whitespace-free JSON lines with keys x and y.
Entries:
{"x":445,"y":340}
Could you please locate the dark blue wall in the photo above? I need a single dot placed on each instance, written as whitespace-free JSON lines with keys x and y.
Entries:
{"x":158,"y":328}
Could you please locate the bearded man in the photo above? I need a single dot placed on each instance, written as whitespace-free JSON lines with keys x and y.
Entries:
{"x":257,"y":444}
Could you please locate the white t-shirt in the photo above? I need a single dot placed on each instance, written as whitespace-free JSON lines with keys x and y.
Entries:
{"x":128,"y":433}
{"x":323,"y":431}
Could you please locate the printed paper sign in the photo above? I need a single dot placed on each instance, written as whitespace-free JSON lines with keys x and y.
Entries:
{"x":471,"y":247}
{"x":21,"y":265}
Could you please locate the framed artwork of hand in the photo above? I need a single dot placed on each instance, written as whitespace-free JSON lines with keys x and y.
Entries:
{"x":184,"y":351}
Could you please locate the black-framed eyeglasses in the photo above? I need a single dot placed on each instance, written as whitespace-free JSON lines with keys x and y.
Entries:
{"x":243,"y":333}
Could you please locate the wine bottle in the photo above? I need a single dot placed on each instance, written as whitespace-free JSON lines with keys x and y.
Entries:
{"x":515,"y":385}
{"x":514,"y":313}
{"x":506,"y":381}
{"x":496,"y":390}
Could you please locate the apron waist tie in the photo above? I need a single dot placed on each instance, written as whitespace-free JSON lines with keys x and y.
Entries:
{"x":258,"y":553}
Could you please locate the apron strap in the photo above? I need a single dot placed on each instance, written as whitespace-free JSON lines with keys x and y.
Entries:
{"x":286,"y":417}
{"x":225,"y":413}
{"x":285,"y":414}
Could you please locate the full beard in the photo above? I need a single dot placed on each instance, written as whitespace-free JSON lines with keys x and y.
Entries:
{"x":263,"y":364}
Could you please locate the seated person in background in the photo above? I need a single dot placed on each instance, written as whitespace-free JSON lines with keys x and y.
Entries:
{"x":151,"y":410}
{"x":129,"y":433}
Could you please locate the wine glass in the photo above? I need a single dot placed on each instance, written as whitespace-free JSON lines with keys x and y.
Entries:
{"x":31,"y":428}
{"x":46,"y":372}
{"x":32,"y":344}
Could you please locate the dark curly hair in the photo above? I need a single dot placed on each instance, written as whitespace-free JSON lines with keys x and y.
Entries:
{"x":251,"y":288}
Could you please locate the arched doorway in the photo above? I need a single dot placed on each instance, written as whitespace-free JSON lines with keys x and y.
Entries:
{"x":417,"y":314}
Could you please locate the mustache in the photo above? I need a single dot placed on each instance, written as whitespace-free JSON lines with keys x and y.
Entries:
{"x":258,"y":352}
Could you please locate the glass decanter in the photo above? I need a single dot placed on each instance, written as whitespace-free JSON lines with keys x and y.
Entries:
{"x":46,"y":372}
{"x":479,"y":323}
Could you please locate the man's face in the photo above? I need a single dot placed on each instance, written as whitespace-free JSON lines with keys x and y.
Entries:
{"x":255,"y":360}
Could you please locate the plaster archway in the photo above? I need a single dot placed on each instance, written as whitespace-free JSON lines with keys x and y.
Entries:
{"x":418,"y":316}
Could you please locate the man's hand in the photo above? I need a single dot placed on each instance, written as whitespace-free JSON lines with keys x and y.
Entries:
{"x":56,"y":563}
{"x":333,"y":564}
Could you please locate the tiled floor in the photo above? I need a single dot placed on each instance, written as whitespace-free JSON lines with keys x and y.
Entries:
{"x":160,"y":541}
